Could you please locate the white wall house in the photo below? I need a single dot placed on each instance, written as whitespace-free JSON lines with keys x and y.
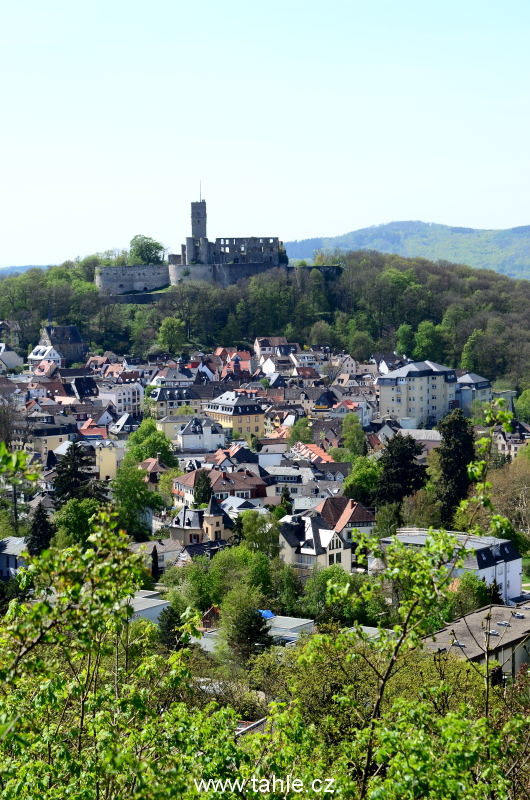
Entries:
{"x":43,"y":353}
{"x":488,"y":557}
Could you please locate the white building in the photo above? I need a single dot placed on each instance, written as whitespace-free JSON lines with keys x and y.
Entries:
{"x":43,"y":353}
{"x":199,"y":433}
{"x":488,"y":557}
{"x":419,"y":392}
{"x":126,"y":397}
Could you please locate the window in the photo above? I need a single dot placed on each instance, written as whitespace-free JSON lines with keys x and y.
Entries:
{"x":256,"y":429}
{"x":338,"y":558}
{"x":248,"y":419}
{"x":256,"y":419}
{"x":240,"y":419}
{"x":194,"y":538}
{"x":248,"y":429}
{"x":331,"y":559}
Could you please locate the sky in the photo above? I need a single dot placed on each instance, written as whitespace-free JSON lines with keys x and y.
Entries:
{"x":301,"y":119}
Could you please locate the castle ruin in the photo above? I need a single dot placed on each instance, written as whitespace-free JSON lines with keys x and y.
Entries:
{"x":224,"y":261}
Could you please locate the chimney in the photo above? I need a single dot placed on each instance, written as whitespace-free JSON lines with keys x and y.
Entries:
{"x":158,"y":458}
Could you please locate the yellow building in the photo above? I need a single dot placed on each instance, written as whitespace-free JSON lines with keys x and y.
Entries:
{"x":237,"y":413}
{"x":109,"y":455}
{"x":421,"y":392}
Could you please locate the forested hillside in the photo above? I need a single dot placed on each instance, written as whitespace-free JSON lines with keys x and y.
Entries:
{"x":446,"y":312}
{"x":505,"y":251}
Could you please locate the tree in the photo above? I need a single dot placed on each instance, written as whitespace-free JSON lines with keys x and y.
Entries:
{"x":168,"y":624}
{"x":165,"y":484}
{"x":388,"y":520}
{"x":171,"y":335}
{"x":144,"y":250}
{"x":203,"y":488}
{"x":469,"y":360}
{"x":320,"y":333}
{"x":155,"y":569}
{"x":148,"y":442}
{"x":73,"y":480}
{"x":404,"y":340}
{"x":300,"y":432}
{"x":522,"y":406}
{"x":353,"y":435}
{"x":401,"y":475}
{"x":243,"y":628}
{"x":362,"y":482}
{"x":261,"y":532}
{"x":40,"y":532}
{"x":361,"y":345}
{"x":429,"y":342}
{"x":265,"y":382}
{"x":133,"y":498}
{"x":455,"y":452}
{"x":74,"y":522}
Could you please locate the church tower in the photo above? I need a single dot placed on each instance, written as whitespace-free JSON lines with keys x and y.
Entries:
{"x":198,"y":220}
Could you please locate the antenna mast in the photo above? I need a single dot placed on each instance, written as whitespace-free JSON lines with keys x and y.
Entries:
{"x":200,"y":190}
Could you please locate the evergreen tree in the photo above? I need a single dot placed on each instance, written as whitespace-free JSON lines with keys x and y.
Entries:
{"x":203,"y":488}
{"x":401,"y":475}
{"x":454,"y":454}
{"x":243,"y":628}
{"x":155,"y":571}
{"x":168,"y":623}
{"x":40,"y":532}
{"x":73,"y":480}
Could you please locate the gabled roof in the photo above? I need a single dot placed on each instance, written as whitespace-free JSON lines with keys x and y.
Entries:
{"x":63,"y":334}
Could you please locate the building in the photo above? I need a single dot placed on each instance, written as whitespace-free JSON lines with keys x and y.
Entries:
{"x":236,"y":412}
{"x":167,"y":550}
{"x":193,"y":433}
{"x":66,"y":340}
{"x":44,"y":353}
{"x":306,"y":540}
{"x":9,"y":359}
{"x":267,"y":345}
{"x":10,"y":556}
{"x":154,"y":469}
{"x":502,"y":633}
{"x":419,"y":392}
{"x":244,"y":484}
{"x":196,"y":526}
{"x":165,"y":400}
{"x":147,"y":605}
{"x":198,"y":250}
{"x":10,"y":332}
{"x":472,"y":387}
{"x":127,"y":398}
{"x":488,"y":557}
{"x":109,"y":456}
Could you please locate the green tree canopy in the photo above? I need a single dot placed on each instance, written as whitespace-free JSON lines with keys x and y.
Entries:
{"x":203,"y":488}
{"x":429,"y":342}
{"x":171,"y":335}
{"x":145,"y":250}
{"x":261,"y":532}
{"x":147,"y":442}
{"x":300,"y":432}
{"x":362,"y":482}
{"x":455,"y":452}
{"x":40,"y":532}
{"x":522,"y":406}
{"x":401,"y":474}
{"x":404,"y":340}
{"x":73,"y":522}
{"x":353,"y":435}
{"x":73,"y":479}
{"x":132,"y":499}
{"x":242,"y":626}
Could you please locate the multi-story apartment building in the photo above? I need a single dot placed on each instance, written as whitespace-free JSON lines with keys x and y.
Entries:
{"x":237,"y":413}
{"x":421,"y":392}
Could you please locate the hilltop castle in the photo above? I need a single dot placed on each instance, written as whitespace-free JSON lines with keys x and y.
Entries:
{"x":224,"y":261}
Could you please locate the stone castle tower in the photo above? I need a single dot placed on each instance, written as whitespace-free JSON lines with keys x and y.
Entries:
{"x":225,"y":261}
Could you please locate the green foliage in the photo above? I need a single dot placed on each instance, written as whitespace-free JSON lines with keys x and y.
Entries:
{"x":362,"y":482}
{"x":243,"y":629}
{"x":168,"y":624}
{"x":454,"y":454}
{"x":522,"y":406}
{"x":404,"y":340}
{"x":400,"y":475}
{"x":260,"y":532}
{"x":165,"y":484}
{"x":354,"y":436}
{"x":203,"y":488}
{"x":132,"y":499}
{"x":147,"y":442}
{"x":40,"y":532}
{"x":388,"y":519}
{"x":300,"y":432}
{"x":74,"y":522}
{"x":145,"y":250}
{"x":73,"y":480}
{"x":171,"y":335}
{"x":429,"y":343}
{"x":361,"y":345}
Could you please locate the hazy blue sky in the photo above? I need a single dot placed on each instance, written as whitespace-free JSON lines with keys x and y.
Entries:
{"x":302,"y":118}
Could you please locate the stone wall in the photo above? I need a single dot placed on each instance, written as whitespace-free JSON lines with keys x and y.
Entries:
{"x":224,"y":274}
{"x":119,"y":280}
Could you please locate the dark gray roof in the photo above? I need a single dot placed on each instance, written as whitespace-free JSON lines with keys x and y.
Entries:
{"x":12,"y":545}
{"x":189,"y":518}
{"x":419,"y":368}
{"x":63,"y":334}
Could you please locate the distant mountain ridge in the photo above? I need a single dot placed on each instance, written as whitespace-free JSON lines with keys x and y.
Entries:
{"x":505,"y":251}
{"x":5,"y":271}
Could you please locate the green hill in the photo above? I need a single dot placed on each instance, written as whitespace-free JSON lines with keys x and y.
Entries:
{"x":505,"y":251}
